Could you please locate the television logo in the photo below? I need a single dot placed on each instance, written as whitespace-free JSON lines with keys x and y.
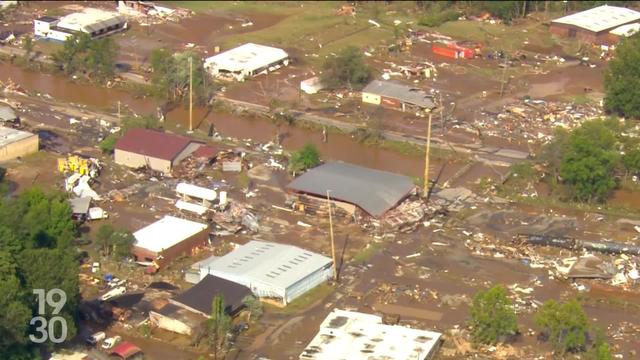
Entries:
{"x":49,"y":329}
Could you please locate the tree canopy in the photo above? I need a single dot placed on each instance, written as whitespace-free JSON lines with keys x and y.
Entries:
{"x":218,"y":325}
{"x":304,"y":159}
{"x":565,"y":325}
{"x":347,"y":69}
{"x":114,"y":242}
{"x":36,"y":233}
{"x":170,"y":77}
{"x":94,"y":57}
{"x":622,"y":79}
{"x":492,"y":316}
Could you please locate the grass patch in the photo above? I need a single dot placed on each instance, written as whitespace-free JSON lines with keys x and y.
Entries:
{"x":301,"y":303}
{"x":365,"y":254}
{"x":268,"y":7}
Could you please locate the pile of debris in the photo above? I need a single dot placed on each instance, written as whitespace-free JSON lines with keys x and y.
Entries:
{"x":533,"y":120}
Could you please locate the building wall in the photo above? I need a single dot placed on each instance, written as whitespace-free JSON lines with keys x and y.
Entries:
{"x":182,"y":248}
{"x":371,"y":98}
{"x":19,"y":148}
{"x":134,"y":160}
{"x":169,"y":324}
{"x":314,"y":279}
{"x":571,"y":31}
{"x":40,"y":28}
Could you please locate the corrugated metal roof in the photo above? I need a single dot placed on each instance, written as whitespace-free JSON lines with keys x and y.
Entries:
{"x":153,"y":143}
{"x":600,"y":18}
{"x":10,"y":135}
{"x":404,"y":93}
{"x":166,"y":232}
{"x":90,"y":20}
{"x":277,"y":266}
{"x":626,"y":30}
{"x":247,"y":57}
{"x":374,"y":191}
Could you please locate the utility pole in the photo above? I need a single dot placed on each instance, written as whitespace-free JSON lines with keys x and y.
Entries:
{"x":190,"y":93}
{"x":333,"y":245}
{"x":504,"y":75}
{"x":425,"y":190}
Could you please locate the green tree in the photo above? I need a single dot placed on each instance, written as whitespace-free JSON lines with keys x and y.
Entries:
{"x":254,"y":306}
{"x":27,"y":45}
{"x":492,"y":316}
{"x":16,"y":314}
{"x":113,"y":242}
{"x":552,"y":154}
{"x":565,"y":324}
{"x":103,"y":238}
{"x":170,"y":78}
{"x":100,"y":60}
{"x":304,"y":159}
{"x":218,"y":325}
{"x":348,"y":69}
{"x":108,"y":144}
{"x":631,"y":161}
{"x":589,"y":162}
{"x":622,"y":79}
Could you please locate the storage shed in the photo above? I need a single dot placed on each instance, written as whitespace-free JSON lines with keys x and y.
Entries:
{"x":373,"y":191}
{"x":397,"y":96}
{"x":246,"y":61}
{"x":350,"y":335}
{"x":157,"y":150}
{"x":168,"y":238}
{"x":271,"y":270}
{"x":594,"y":25}
{"x":16,"y":143}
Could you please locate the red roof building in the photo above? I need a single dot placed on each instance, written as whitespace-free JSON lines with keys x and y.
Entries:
{"x":156,"y":150}
{"x":125,"y":350}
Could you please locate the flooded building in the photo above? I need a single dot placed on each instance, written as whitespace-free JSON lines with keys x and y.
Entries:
{"x":245,"y":61}
{"x":272,"y":271}
{"x":153,"y":149}
{"x":95,"y":22}
{"x":349,"y":187}
{"x":397,"y":96}
{"x":349,"y":335}
{"x":594,"y":25}
{"x":168,"y":238}
{"x":17,"y":143}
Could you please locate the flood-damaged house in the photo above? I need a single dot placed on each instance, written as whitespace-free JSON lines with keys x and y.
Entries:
{"x":594,"y":25}
{"x":274,"y":272}
{"x":185,"y":312}
{"x":397,"y":96}
{"x":350,"y":188}
{"x":16,"y":143}
{"x":168,"y":238}
{"x":354,"y":335}
{"x":246,"y":61}
{"x":156,"y":150}
{"x":94,"y":22}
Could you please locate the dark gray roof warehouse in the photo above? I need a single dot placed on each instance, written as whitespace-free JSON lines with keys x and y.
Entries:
{"x":405,"y":93}
{"x":373,"y":191}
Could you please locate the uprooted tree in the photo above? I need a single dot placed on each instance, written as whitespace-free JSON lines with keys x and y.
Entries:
{"x":493,"y":318}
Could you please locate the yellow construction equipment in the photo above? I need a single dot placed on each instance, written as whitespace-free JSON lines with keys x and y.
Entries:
{"x":73,"y":164}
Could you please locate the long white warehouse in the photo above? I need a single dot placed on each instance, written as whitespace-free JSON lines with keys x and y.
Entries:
{"x":271,"y":270}
{"x":245,"y":61}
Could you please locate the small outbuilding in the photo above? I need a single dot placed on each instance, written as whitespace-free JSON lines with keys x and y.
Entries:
{"x":17,"y":143}
{"x":245,"y":61}
{"x":358,"y":336}
{"x":373,"y":191}
{"x":397,"y":96}
{"x":594,"y":25}
{"x":271,"y":270}
{"x":7,"y":114}
{"x":623,"y":31}
{"x":168,"y":238}
{"x":156,"y":150}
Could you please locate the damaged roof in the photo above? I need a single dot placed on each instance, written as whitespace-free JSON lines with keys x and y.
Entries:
{"x":404,"y":93}
{"x":374,"y":191}
{"x":153,"y":143}
{"x":200,"y":296}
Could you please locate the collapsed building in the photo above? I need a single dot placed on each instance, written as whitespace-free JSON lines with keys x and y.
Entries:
{"x":397,"y":96}
{"x":94,"y":22}
{"x":350,"y":188}
{"x":350,"y":335}
{"x":245,"y":61}
{"x":271,"y":270}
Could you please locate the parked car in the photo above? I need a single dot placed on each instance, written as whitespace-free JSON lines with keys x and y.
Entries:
{"x":95,"y":338}
{"x":111,"y":342}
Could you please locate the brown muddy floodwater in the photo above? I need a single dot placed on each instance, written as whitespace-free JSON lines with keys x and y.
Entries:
{"x":339,"y":146}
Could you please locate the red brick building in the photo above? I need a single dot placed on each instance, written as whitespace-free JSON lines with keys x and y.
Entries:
{"x":593,"y":25}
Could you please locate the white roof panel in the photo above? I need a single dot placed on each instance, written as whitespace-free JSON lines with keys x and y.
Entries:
{"x":275,"y":265}
{"x":246,"y":57}
{"x":10,"y":135}
{"x":626,"y":30}
{"x":194,"y":208}
{"x":88,"y":19}
{"x":196,"y":191}
{"x":348,"y":335}
{"x":166,"y":232}
{"x":600,"y":18}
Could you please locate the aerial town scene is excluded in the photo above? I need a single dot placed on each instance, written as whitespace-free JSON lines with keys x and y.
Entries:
{"x":319,"y":180}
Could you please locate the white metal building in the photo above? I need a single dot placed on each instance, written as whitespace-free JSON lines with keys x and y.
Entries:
{"x":95,"y":22}
{"x":349,"y":335}
{"x":246,"y":61}
{"x":271,"y":270}
{"x":16,"y":143}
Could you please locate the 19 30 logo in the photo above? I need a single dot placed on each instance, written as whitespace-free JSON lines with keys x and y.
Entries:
{"x":53,"y":329}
